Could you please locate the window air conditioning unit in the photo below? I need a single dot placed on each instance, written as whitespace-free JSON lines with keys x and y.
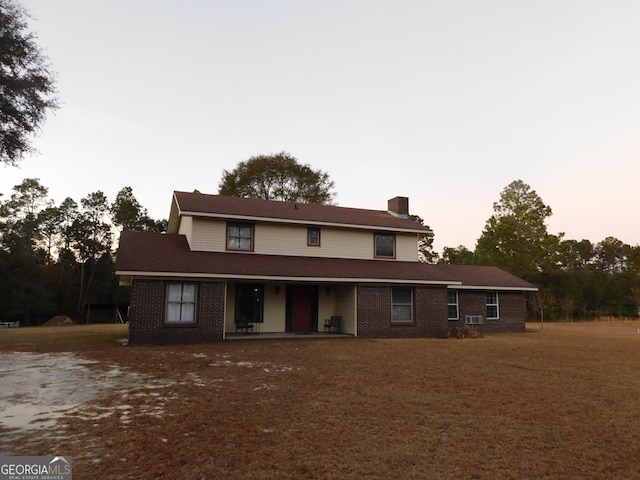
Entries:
{"x":473,"y":319}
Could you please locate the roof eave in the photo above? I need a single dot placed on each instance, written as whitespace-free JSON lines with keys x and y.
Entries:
{"x":254,"y":218}
{"x":130,"y":274}
{"x":494,"y":287}
{"x":174,"y":215}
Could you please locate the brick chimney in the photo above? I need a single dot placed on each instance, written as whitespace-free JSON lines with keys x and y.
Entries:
{"x":399,"y":206}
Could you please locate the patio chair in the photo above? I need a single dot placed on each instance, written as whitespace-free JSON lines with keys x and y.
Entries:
{"x":246,"y":327}
{"x":334,"y":323}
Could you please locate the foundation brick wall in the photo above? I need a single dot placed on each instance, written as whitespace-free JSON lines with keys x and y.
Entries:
{"x":513,"y":311}
{"x":511,"y":305}
{"x":431,"y":311}
{"x":374,"y":313}
{"x":147,"y":314}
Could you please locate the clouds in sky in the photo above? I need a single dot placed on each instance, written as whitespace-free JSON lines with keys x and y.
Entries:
{"x":443,"y":102}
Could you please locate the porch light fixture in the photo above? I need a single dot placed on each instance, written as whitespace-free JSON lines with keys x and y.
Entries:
{"x":277,"y":289}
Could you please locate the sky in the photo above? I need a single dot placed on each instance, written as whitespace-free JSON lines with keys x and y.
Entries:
{"x":444,"y":102}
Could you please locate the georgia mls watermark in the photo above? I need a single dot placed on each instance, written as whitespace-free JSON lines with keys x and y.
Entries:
{"x":35,"y":468}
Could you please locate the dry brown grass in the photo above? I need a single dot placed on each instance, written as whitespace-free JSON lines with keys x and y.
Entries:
{"x":64,"y":338}
{"x":562,"y":402}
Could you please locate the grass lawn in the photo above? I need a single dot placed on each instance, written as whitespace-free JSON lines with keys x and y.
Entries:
{"x":559,"y":402}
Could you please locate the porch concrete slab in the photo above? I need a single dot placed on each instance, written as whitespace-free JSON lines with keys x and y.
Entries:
{"x":267,"y":336}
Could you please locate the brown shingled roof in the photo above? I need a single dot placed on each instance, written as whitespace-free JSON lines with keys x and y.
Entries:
{"x":482,"y":276}
{"x":222,"y":205}
{"x":143,"y":253}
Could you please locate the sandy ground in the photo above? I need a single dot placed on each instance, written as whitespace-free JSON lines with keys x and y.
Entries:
{"x":37,"y":389}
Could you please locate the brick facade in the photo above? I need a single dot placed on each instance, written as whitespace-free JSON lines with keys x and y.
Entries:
{"x":430,"y":312}
{"x":511,"y":305}
{"x":374,"y":313}
{"x":147,"y":314}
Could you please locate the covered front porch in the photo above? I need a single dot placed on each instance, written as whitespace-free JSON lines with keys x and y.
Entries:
{"x":289,"y":308}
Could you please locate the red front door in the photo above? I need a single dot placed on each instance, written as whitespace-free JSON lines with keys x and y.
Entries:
{"x":301,"y":305}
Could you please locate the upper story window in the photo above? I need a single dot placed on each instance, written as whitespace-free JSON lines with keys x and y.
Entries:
{"x":493,"y":310}
{"x":452,"y":305}
{"x":313,"y":236}
{"x":385,"y":245}
{"x":181,"y":302}
{"x":402,"y":305}
{"x":240,"y":236}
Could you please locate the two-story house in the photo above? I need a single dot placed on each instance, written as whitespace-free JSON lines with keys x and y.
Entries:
{"x":232,"y":264}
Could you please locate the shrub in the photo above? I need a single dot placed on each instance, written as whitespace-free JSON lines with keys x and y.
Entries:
{"x":464,"y":331}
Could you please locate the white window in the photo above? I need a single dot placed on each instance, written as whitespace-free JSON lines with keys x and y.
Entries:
{"x":181,"y":302}
{"x":385,"y":245}
{"x":240,"y":236}
{"x":493,"y":310}
{"x":452,"y":305}
{"x":402,"y":305}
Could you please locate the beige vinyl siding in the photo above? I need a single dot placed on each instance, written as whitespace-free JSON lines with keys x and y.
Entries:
{"x":274,"y":309}
{"x":345,"y":305}
{"x":334,"y":243}
{"x":326,"y":304}
{"x":280,"y":239}
{"x":407,"y":247}
{"x":292,"y":240}
{"x":186,"y":229}
{"x":209,"y":235}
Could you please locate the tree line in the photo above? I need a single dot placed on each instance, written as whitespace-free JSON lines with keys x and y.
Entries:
{"x":57,"y":259}
{"x":577,"y":279}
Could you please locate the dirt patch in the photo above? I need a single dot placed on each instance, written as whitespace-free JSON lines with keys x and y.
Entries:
{"x":59,"y":321}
